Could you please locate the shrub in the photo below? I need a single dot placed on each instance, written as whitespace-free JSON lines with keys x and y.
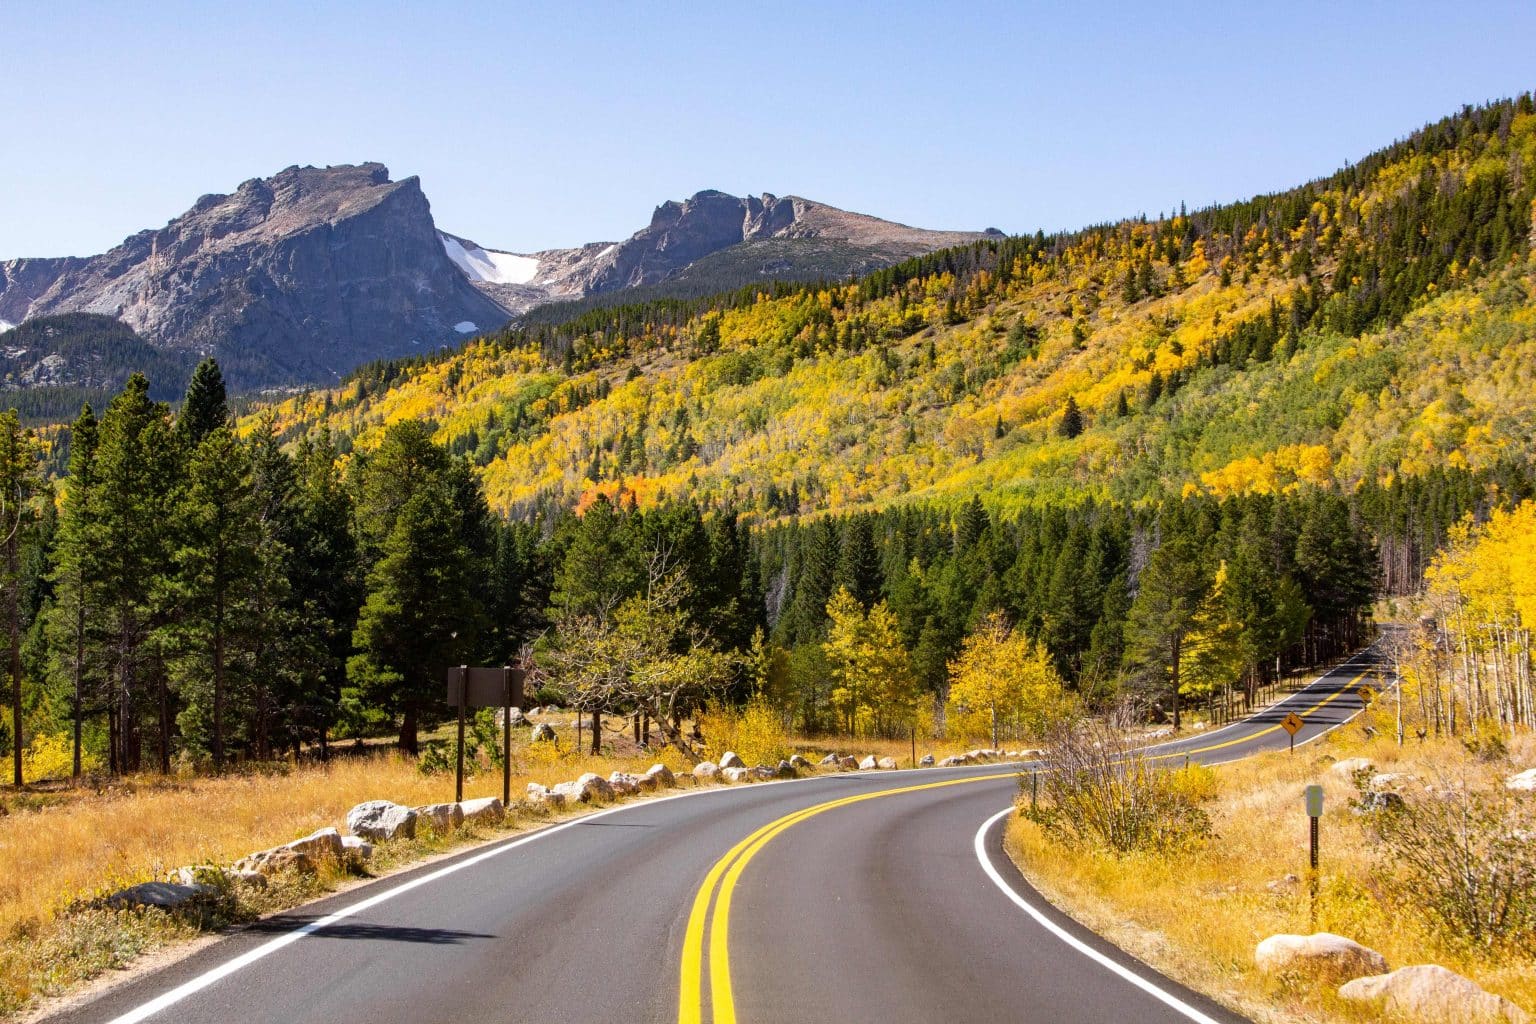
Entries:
{"x":1463,"y":857}
{"x":52,"y":756}
{"x":1097,"y":790}
{"x":755,"y":731}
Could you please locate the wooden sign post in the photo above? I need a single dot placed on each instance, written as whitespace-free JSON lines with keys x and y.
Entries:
{"x":477,"y":687}
{"x":1314,"y":798}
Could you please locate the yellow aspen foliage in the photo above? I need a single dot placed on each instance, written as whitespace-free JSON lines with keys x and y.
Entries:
{"x":1003,"y":684}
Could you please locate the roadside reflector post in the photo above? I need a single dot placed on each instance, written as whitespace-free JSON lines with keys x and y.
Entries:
{"x":1034,"y":791}
{"x":1314,"y":798}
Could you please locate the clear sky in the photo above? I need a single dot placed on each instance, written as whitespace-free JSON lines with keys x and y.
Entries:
{"x":534,"y":126}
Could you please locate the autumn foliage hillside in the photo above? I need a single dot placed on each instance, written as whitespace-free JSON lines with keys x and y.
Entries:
{"x":1373,"y":324}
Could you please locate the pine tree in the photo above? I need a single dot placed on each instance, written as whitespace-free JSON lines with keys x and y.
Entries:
{"x":20,"y":479}
{"x":217,"y":569}
{"x":1071,"y":424}
{"x":1168,"y":593}
{"x":206,"y":407}
{"x":76,"y":572}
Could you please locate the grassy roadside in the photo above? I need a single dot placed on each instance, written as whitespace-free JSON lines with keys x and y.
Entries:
{"x":1197,"y":914}
{"x":60,"y":851}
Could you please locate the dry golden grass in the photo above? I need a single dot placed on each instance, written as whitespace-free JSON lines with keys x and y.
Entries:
{"x":1198,"y":915}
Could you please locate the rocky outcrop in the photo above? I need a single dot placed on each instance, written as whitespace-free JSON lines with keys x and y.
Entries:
{"x":1429,"y":992}
{"x":1323,"y":954}
{"x":381,"y":820}
{"x":296,"y":278}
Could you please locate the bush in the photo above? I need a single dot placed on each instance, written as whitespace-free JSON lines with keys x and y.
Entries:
{"x":52,"y":756}
{"x":1097,"y":790}
{"x":1463,"y":856}
{"x":755,"y":731}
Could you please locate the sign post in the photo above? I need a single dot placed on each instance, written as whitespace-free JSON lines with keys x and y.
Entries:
{"x":1314,"y":798}
{"x":486,"y":688}
{"x":1292,"y":724}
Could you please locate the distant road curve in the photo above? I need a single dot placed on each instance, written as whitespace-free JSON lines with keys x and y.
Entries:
{"x":881,"y":896}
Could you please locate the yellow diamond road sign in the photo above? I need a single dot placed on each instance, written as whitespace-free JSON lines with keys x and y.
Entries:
{"x":1367,"y":694}
{"x":1292,"y":723}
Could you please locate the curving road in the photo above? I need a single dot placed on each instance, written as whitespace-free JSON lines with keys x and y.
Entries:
{"x":859,"y":897}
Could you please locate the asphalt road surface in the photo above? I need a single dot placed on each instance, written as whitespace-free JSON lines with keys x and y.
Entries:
{"x":876,"y":896}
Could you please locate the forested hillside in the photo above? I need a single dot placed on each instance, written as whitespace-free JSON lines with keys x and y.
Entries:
{"x":1369,"y":325}
{"x":1163,"y":459}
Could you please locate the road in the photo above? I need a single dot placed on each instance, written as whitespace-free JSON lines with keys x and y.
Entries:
{"x":853,"y":897}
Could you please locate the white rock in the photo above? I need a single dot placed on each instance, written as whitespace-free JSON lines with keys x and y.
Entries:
{"x":1350,"y":765}
{"x":953,"y":761}
{"x":542,"y":733}
{"x":732,"y":760}
{"x":1431,"y":992}
{"x":544,"y":796}
{"x":356,"y":851}
{"x":1389,"y":782}
{"x":196,"y":874}
{"x":735,"y":774}
{"x":485,"y":811}
{"x":848,"y":764}
{"x":277,"y":859}
{"x":784,"y":770}
{"x":517,"y":716}
{"x":622,"y":786}
{"x":830,"y":760}
{"x":799,"y":762}
{"x":587,"y":789}
{"x":321,"y":845}
{"x":869,"y":763}
{"x":927,"y":761}
{"x":1524,"y":782}
{"x":706,"y":771}
{"x":442,"y":817}
{"x":380,"y":820}
{"x":1323,"y":953}
{"x":887,"y":763}
{"x":661,"y":775}
{"x":763,"y":772}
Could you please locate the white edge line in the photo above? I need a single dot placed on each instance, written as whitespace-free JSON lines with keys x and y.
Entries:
{"x":194,"y":985}
{"x":210,"y":977}
{"x":1082,"y":947}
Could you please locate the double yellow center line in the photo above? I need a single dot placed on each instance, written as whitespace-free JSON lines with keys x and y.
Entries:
{"x":720,"y":883}
{"x":722,"y":877}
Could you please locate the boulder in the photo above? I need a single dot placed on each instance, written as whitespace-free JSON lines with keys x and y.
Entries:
{"x":1389,"y":782}
{"x":484,"y":811}
{"x":274,"y":861}
{"x":1524,"y":782}
{"x":799,"y":762}
{"x":1284,"y":885}
{"x":831,"y":761}
{"x":869,"y":763}
{"x":763,"y":772}
{"x":322,"y":845}
{"x":516,"y":715}
{"x":542,"y":733}
{"x":442,"y":817}
{"x":848,"y":764}
{"x":784,"y":770}
{"x":887,"y":763}
{"x":1350,"y":765}
{"x":706,"y":771}
{"x":661,"y":775}
{"x":1432,"y":992}
{"x":356,"y":851}
{"x":736,"y":774}
{"x":589,"y":788}
{"x":379,"y":820}
{"x":927,"y":761}
{"x":685,"y":779}
{"x":1375,"y":800}
{"x":636,"y":783}
{"x":165,"y":895}
{"x":732,"y":760}
{"x":196,"y":874}
{"x":953,"y":761}
{"x":1324,"y":953}
{"x":543,"y":796}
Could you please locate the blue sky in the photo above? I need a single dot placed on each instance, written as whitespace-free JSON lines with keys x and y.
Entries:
{"x":539,"y":126}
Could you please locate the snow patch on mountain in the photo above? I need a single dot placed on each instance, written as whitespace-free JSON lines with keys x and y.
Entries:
{"x":6,"y":325}
{"x":489,"y":265}
{"x":465,"y":327}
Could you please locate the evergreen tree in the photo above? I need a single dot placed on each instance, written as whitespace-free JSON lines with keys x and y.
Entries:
{"x":20,"y":480}
{"x":205,"y":408}
{"x":76,"y":570}
{"x":1168,"y":594}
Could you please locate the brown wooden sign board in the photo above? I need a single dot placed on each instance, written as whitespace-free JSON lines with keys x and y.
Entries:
{"x":1292,"y":723}
{"x":486,"y":687}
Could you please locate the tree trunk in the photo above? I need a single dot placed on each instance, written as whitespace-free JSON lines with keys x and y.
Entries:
{"x":1178,"y":643}
{"x":218,"y":682}
{"x":597,"y":732}
{"x":13,"y":631}
{"x":408,"y":730}
{"x":79,"y":659}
